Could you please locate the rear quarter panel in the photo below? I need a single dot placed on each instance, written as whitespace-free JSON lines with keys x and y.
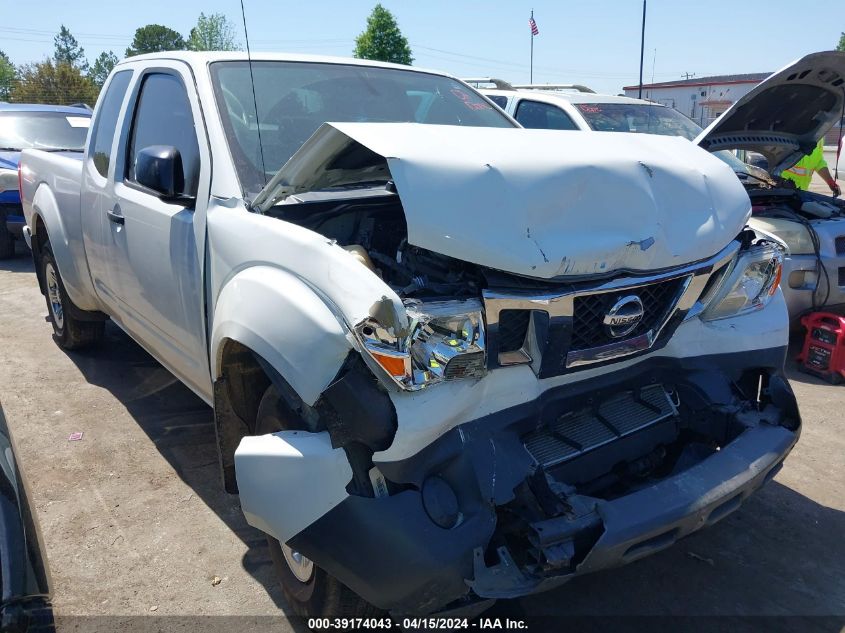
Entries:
{"x":50,"y":195}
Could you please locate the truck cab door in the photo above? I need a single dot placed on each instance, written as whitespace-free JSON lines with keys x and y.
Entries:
{"x":158,"y":242}
{"x":98,"y":186}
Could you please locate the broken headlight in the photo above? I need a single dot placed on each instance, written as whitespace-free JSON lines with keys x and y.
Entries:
{"x":750,"y":284}
{"x":445,"y":341}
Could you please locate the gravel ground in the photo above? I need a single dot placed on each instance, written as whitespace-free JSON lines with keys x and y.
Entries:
{"x":136,"y":523}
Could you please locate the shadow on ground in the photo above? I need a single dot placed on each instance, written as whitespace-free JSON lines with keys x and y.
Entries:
{"x":780,"y":554}
{"x":182,"y":428}
{"x":20,"y":262}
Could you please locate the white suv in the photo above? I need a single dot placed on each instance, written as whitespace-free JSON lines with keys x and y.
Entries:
{"x":575,"y":107}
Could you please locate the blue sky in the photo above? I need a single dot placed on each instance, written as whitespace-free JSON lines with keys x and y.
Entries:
{"x":596,"y":43}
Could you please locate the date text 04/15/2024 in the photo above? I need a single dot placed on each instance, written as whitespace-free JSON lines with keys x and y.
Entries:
{"x":423,"y":623}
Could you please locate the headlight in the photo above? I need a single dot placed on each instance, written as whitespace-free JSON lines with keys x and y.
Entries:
{"x":750,"y":284}
{"x":446,"y":342}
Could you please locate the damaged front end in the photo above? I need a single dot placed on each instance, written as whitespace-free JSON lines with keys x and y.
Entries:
{"x":521,"y":426}
{"x":555,"y":450}
{"x":584,"y":478}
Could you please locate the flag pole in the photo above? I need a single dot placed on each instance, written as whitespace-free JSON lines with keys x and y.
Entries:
{"x":531,"y":72}
{"x":642,"y":53}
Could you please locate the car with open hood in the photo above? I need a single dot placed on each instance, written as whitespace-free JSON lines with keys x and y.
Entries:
{"x":781,"y":120}
{"x":450,"y":360}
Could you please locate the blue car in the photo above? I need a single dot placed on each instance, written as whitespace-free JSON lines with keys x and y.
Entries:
{"x":27,"y":126}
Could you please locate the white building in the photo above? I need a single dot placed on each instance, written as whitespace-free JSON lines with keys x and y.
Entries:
{"x":700,"y":98}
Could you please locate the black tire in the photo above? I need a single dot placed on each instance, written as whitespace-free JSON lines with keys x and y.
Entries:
{"x":321,"y":595}
{"x":69,"y":332}
{"x":7,"y":241}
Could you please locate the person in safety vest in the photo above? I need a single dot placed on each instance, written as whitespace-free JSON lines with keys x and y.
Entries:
{"x":802,"y":172}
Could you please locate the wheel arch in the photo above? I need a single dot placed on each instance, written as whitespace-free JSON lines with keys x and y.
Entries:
{"x":48,"y":224}
{"x":269,"y":327}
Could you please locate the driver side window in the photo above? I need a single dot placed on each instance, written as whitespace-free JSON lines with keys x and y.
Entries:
{"x":163,"y":117}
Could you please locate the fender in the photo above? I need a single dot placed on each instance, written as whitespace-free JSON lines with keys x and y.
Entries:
{"x":67,"y":249}
{"x":280,"y":318}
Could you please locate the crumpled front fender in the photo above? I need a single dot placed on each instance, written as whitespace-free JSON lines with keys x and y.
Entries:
{"x":282,"y":320}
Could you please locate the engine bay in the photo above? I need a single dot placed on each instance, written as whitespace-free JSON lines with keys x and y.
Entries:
{"x":369,"y":222}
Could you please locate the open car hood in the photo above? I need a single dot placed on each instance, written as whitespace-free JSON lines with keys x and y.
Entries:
{"x":539,"y":203}
{"x":785,"y":115}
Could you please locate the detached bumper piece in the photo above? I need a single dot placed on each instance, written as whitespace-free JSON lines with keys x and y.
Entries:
{"x":590,"y":476}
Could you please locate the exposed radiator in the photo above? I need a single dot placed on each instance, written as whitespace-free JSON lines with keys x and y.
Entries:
{"x":577,"y":432}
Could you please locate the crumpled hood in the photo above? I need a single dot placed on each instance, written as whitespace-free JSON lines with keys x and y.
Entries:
{"x":786,"y":114}
{"x":540,"y":203}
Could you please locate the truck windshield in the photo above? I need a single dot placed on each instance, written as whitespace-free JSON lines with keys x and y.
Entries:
{"x":639,"y":118}
{"x":295,"y":98}
{"x":43,"y":130}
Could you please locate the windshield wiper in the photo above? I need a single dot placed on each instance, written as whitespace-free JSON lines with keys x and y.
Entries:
{"x":63,"y":149}
{"x":10,"y":149}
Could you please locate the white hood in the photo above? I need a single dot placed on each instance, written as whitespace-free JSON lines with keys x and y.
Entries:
{"x":539,"y":203}
{"x":785,"y":115}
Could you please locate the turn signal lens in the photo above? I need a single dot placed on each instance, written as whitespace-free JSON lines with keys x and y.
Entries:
{"x":393,"y":365}
{"x":776,"y":282}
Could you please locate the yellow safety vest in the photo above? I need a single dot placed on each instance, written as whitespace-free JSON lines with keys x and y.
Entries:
{"x":802,"y":172}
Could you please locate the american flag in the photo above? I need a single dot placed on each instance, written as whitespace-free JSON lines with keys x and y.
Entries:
{"x":533,"y":25}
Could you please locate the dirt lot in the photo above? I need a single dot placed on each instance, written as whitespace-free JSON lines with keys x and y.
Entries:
{"x":135,"y":521}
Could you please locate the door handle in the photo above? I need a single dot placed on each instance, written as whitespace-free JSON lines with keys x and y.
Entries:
{"x":116,"y":216}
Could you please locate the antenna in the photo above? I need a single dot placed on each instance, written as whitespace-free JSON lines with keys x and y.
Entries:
{"x":254,"y":100}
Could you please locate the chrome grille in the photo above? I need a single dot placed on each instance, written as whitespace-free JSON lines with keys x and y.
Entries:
{"x":569,"y":318}
{"x":579,"y":432}
{"x":587,"y":329}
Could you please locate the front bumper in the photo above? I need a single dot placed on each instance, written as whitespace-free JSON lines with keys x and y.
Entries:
{"x":391,"y":552}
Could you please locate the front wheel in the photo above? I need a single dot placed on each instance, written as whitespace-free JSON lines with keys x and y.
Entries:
{"x":309,"y":590}
{"x":68,"y":331}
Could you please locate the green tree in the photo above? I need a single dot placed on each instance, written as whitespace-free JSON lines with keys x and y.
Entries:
{"x":47,"y":82}
{"x":68,"y":51}
{"x":153,"y":38}
{"x":382,"y":40}
{"x":101,"y":68}
{"x":213,"y":33}
{"x":8,"y":75}
{"x":841,"y":45}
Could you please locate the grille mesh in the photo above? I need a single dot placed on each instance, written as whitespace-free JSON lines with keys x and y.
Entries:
{"x":840,"y":245}
{"x":513,"y":326}
{"x":587,"y":329}
{"x":577,"y":432}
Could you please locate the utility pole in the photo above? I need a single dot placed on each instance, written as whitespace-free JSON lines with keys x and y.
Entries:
{"x":642,"y":53}
{"x":688,"y":75}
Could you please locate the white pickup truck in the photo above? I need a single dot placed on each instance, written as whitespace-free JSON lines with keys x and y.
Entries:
{"x":450,"y":360}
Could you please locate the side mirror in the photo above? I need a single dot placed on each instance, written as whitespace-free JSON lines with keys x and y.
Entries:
{"x":159,"y":168}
